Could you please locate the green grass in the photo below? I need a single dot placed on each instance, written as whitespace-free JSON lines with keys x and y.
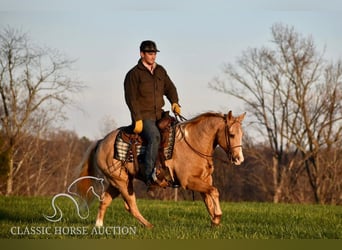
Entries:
{"x":173,"y":220}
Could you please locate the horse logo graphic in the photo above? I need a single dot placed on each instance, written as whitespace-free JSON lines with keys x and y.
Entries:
{"x":74,"y":197}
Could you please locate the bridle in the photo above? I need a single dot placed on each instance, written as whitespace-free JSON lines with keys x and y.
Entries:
{"x":229,"y":147}
{"x":227,"y":136}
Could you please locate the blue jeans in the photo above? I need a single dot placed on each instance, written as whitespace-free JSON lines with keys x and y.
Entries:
{"x":151,"y":134}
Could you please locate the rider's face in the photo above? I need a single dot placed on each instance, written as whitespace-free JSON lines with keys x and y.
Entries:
{"x":148,"y":57}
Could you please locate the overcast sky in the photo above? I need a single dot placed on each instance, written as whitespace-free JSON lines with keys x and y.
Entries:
{"x":196,"y":38}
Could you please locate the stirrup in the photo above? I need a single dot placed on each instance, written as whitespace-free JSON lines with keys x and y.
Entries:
{"x":154,"y":175}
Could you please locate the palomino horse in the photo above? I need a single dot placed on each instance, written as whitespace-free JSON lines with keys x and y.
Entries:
{"x":191,"y":164}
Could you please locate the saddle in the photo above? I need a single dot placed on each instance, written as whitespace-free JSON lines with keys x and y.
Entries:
{"x":130,"y":147}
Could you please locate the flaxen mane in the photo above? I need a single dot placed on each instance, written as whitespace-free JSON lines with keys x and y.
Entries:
{"x":204,"y":116}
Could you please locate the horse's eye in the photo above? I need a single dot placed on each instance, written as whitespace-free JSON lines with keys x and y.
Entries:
{"x":231,"y":136}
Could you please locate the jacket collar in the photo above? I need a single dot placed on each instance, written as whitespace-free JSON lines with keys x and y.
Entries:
{"x":142,"y":66}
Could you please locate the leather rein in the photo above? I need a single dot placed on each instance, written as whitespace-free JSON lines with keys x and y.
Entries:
{"x":228,"y":151}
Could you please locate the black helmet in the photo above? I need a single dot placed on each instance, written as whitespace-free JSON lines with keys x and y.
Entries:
{"x":148,"y":46}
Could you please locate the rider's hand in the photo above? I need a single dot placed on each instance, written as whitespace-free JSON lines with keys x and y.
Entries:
{"x":138,"y":127}
{"x":176,"y":108}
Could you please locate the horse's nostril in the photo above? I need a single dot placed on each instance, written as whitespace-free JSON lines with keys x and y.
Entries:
{"x":238,"y":159}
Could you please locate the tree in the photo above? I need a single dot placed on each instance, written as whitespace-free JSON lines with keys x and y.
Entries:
{"x":107,"y":124}
{"x":35,"y":87}
{"x":295,"y":97}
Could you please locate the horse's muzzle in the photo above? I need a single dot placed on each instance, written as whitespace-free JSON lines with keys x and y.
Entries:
{"x":238,"y":160}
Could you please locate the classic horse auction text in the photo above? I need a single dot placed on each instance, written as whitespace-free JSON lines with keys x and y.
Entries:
{"x":72,"y":230}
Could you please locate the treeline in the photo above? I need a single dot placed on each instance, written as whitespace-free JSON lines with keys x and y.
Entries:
{"x":47,"y":166}
{"x":43,"y":166}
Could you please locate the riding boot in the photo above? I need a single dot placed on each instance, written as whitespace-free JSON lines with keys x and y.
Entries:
{"x":157,"y":180}
{"x":152,"y":179}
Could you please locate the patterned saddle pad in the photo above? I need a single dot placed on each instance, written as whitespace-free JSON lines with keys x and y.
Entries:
{"x":123,"y":148}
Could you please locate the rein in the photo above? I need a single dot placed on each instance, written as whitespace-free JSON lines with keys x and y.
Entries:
{"x":181,"y":118}
{"x":192,"y":148}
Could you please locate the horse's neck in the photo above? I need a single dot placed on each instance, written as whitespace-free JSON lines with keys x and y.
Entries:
{"x":203,"y":134}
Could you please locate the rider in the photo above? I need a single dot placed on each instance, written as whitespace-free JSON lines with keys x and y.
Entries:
{"x":145,"y":86}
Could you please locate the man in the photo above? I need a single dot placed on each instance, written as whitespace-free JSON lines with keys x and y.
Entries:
{"x":145,"y":86}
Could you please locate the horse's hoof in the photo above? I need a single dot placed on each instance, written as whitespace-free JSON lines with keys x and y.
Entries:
{"x":99,"y":223}
{"x":216,"y":221}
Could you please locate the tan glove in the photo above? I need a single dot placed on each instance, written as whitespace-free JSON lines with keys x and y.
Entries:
{"x":138,"y":127}
{"x":176,"y":108}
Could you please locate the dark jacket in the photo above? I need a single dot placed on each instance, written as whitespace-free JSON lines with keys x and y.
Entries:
{"x":144,"y":92}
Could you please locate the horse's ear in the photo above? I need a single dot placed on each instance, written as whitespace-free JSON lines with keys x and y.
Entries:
{"x":230,"y":115}
{"x":241,"y":117}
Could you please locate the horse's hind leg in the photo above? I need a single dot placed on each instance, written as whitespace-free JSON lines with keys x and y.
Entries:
{"x":128,"y":195}
{"x":107,"y":198}
{"x":132,"y":208}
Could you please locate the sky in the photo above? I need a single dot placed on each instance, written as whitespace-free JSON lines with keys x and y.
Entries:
{"x":196,"y":38}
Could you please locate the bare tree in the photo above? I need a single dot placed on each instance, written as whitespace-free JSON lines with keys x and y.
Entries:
{"x":107,"y":124}
{"x":295,"y":97}
{"x":33,"y":81}
{"x":49,"y":164}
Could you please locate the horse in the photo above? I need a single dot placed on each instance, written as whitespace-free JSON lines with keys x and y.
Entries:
{"x":191,"y":164}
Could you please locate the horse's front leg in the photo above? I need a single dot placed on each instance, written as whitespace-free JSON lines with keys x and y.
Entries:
{"x":106,"y":200}
{"x":213,"y":205}
{"x":210,"y":197}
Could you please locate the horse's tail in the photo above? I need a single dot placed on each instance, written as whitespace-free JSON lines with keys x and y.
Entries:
{"x":88,"y":168}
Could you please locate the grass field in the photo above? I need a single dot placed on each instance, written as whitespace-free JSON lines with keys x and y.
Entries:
{"x":23,"y":218}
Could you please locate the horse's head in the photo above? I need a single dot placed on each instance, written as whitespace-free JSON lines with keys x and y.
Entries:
{"x":230,"y":137}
